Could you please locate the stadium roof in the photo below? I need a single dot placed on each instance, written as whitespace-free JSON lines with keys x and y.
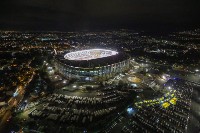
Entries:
{"x":95,"y":62}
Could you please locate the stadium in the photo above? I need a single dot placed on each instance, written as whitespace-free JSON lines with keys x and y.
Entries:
{"x":92,"y":64}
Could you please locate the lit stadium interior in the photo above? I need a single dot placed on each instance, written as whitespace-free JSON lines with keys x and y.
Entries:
{"x":89,"y":54}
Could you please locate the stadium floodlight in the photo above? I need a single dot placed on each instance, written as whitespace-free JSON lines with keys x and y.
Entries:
{"x":91,"y":64}
{"x":89,"y":54}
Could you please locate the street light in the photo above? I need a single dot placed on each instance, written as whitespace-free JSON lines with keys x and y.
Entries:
{"x":164,"y":77}
{"x":74,"y":86}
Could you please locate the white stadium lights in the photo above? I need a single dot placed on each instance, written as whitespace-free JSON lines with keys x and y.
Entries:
{"x":89,"y":54}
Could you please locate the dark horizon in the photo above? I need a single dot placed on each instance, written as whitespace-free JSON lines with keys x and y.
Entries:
{"x":79,"y":15}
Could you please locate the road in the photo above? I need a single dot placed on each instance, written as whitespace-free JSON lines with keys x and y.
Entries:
{"x":4,"y":119}
{"x":13,"y":102}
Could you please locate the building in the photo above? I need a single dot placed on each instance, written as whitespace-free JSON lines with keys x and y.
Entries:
{"x":92,"y":64}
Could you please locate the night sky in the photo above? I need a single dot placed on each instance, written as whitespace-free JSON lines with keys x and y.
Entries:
{"x":97,"y":14}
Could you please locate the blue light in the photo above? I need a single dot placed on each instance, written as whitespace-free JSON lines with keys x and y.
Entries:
{"x":15,"y":94}
{"x":130,"y":111}
{"x":176,"y":78}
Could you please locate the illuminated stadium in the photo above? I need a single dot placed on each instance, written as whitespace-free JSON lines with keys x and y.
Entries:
{"x":92,"y":64}
{"x":89,"y":54}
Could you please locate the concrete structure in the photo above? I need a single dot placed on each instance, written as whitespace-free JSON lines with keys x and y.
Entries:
{"x":92,"y":64}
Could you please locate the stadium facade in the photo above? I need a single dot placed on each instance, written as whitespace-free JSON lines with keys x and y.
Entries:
{"x":92,"y":64}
